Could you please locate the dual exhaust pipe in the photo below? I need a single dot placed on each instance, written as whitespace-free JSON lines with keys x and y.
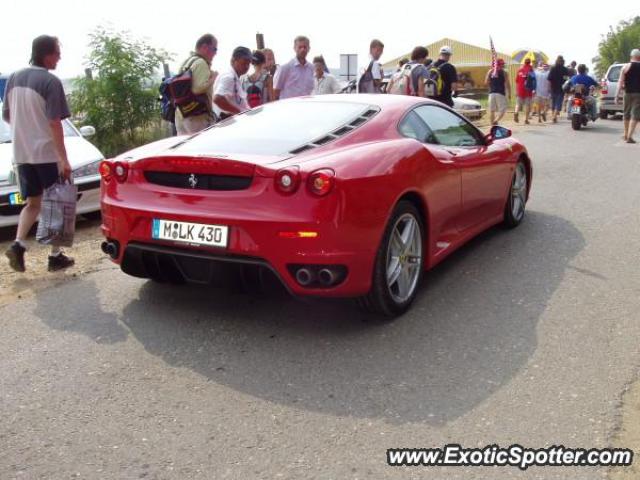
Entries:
{"x":325,"y":276}
{"x":111,"y":248}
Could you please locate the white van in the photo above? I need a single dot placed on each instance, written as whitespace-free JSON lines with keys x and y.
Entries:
{"x":609,"y":90}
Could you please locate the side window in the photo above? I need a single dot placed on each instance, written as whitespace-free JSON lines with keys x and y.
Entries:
{"x":614,"y":73}
{"x":68,"y":130}
{"x":449,"y":129}
{"x":412,"y":126}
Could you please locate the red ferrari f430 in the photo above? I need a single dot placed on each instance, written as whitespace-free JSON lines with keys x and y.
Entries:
{"x":337,"y":195}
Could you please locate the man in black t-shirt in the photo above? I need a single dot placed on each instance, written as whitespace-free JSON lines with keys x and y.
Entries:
{"x":449,"y":76}
{"x":557,"y":76}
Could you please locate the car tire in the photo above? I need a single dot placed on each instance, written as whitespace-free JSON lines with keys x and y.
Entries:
{"x":515,"y":206}
{"x":401,"y":249}
{"x":604,"y":114}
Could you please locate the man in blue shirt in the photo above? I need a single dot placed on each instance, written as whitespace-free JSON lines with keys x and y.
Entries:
{"x":587,"y":82}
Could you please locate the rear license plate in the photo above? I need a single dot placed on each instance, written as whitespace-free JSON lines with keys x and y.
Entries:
{"x":575,"y":110}
{"x":16,"y":199}
{"x":193,"y":233}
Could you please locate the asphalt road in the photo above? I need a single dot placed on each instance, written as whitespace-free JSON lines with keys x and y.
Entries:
{"x":528,"y":336}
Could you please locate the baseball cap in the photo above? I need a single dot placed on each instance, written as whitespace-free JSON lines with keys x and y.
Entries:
{"x":635,"y":52}
{"x":242,"y":53}
{"x":446,"y":50}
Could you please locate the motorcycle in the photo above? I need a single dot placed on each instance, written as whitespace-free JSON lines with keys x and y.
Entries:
{"x":580,"y":111}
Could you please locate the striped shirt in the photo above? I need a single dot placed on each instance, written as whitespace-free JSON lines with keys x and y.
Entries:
{"x":294,"y":79}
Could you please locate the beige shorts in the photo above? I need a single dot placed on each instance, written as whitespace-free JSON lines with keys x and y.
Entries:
{"x":191,"y":125}
{"x":523,"y":101}
{"x":542,"y":101}
{"x":497,"y":103}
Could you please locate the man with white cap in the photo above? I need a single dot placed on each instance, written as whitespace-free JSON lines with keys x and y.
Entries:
{"x":448,"y":74}
{"x":630,"y":83}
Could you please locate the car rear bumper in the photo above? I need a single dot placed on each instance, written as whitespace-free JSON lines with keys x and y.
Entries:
{"x":254,"y":239}
{"x":609,"y":104}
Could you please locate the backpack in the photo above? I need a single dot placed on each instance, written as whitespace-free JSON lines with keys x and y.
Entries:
{"x":254,"y":96}
{"x":366,"y":78}
{"x":255,"y":90}
{"x":179,"y":90}
{"x":401,"y":81}
{"x":530,"y":82}
{"x":167,"y":108}
{"x":433,"y":84}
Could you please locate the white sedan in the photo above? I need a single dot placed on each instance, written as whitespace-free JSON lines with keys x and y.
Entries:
{"x":83,"y":157}
{"x":468,"y":107}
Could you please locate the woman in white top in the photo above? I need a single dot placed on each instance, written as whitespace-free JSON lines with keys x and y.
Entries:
{"x":323,"y":81}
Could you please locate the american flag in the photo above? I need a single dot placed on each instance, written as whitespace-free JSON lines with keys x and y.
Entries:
{"x":494,"y":59}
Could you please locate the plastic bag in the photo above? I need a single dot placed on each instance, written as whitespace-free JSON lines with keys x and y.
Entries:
{"x":57,"y":223}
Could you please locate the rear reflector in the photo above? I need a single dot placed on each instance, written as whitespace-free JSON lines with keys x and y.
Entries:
{"x":298,"y":234}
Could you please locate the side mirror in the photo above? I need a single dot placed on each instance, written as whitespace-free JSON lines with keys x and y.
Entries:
{"x":498,"y":133}
{"x":87,"y":131}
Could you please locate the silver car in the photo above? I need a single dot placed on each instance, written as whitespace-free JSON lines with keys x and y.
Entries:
{"x":609,"y":90}
{"x":83,"y":157}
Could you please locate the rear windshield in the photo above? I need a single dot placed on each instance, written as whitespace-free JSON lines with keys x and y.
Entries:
{"x":614,"y":73}
{"x":274,"y":129}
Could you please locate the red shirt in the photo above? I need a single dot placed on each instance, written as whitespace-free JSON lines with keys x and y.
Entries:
{"x":520,"y":79}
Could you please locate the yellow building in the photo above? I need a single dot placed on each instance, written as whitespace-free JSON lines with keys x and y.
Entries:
{"x":472,"y":62}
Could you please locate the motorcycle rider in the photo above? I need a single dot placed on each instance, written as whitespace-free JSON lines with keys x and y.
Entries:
{"x":586,"y":82}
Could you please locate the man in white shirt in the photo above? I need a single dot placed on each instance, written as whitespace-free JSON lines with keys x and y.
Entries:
{"x":229,"y":97}
{"x":371,"y":78}
{"x":324,"y":83}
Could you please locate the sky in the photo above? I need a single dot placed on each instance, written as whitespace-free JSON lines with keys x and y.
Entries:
{"x":333,"y":26}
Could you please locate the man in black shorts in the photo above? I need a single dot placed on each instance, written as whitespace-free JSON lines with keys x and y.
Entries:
{"x":35,"y":106}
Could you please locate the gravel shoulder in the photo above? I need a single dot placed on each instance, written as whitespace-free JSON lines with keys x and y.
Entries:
{"x":86,"y":252}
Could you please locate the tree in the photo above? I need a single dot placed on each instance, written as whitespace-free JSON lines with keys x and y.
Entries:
{"x":121,"y":99}
{"x":616,"y":45}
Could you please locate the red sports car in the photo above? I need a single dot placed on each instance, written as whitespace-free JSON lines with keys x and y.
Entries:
{"x":338,"y":196}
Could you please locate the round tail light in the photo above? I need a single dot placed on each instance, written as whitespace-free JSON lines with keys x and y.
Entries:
{"x":120,"y":171}
{"x":106,"y":170}
{"x":287,"y":180}
{"x":321,"y":182}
